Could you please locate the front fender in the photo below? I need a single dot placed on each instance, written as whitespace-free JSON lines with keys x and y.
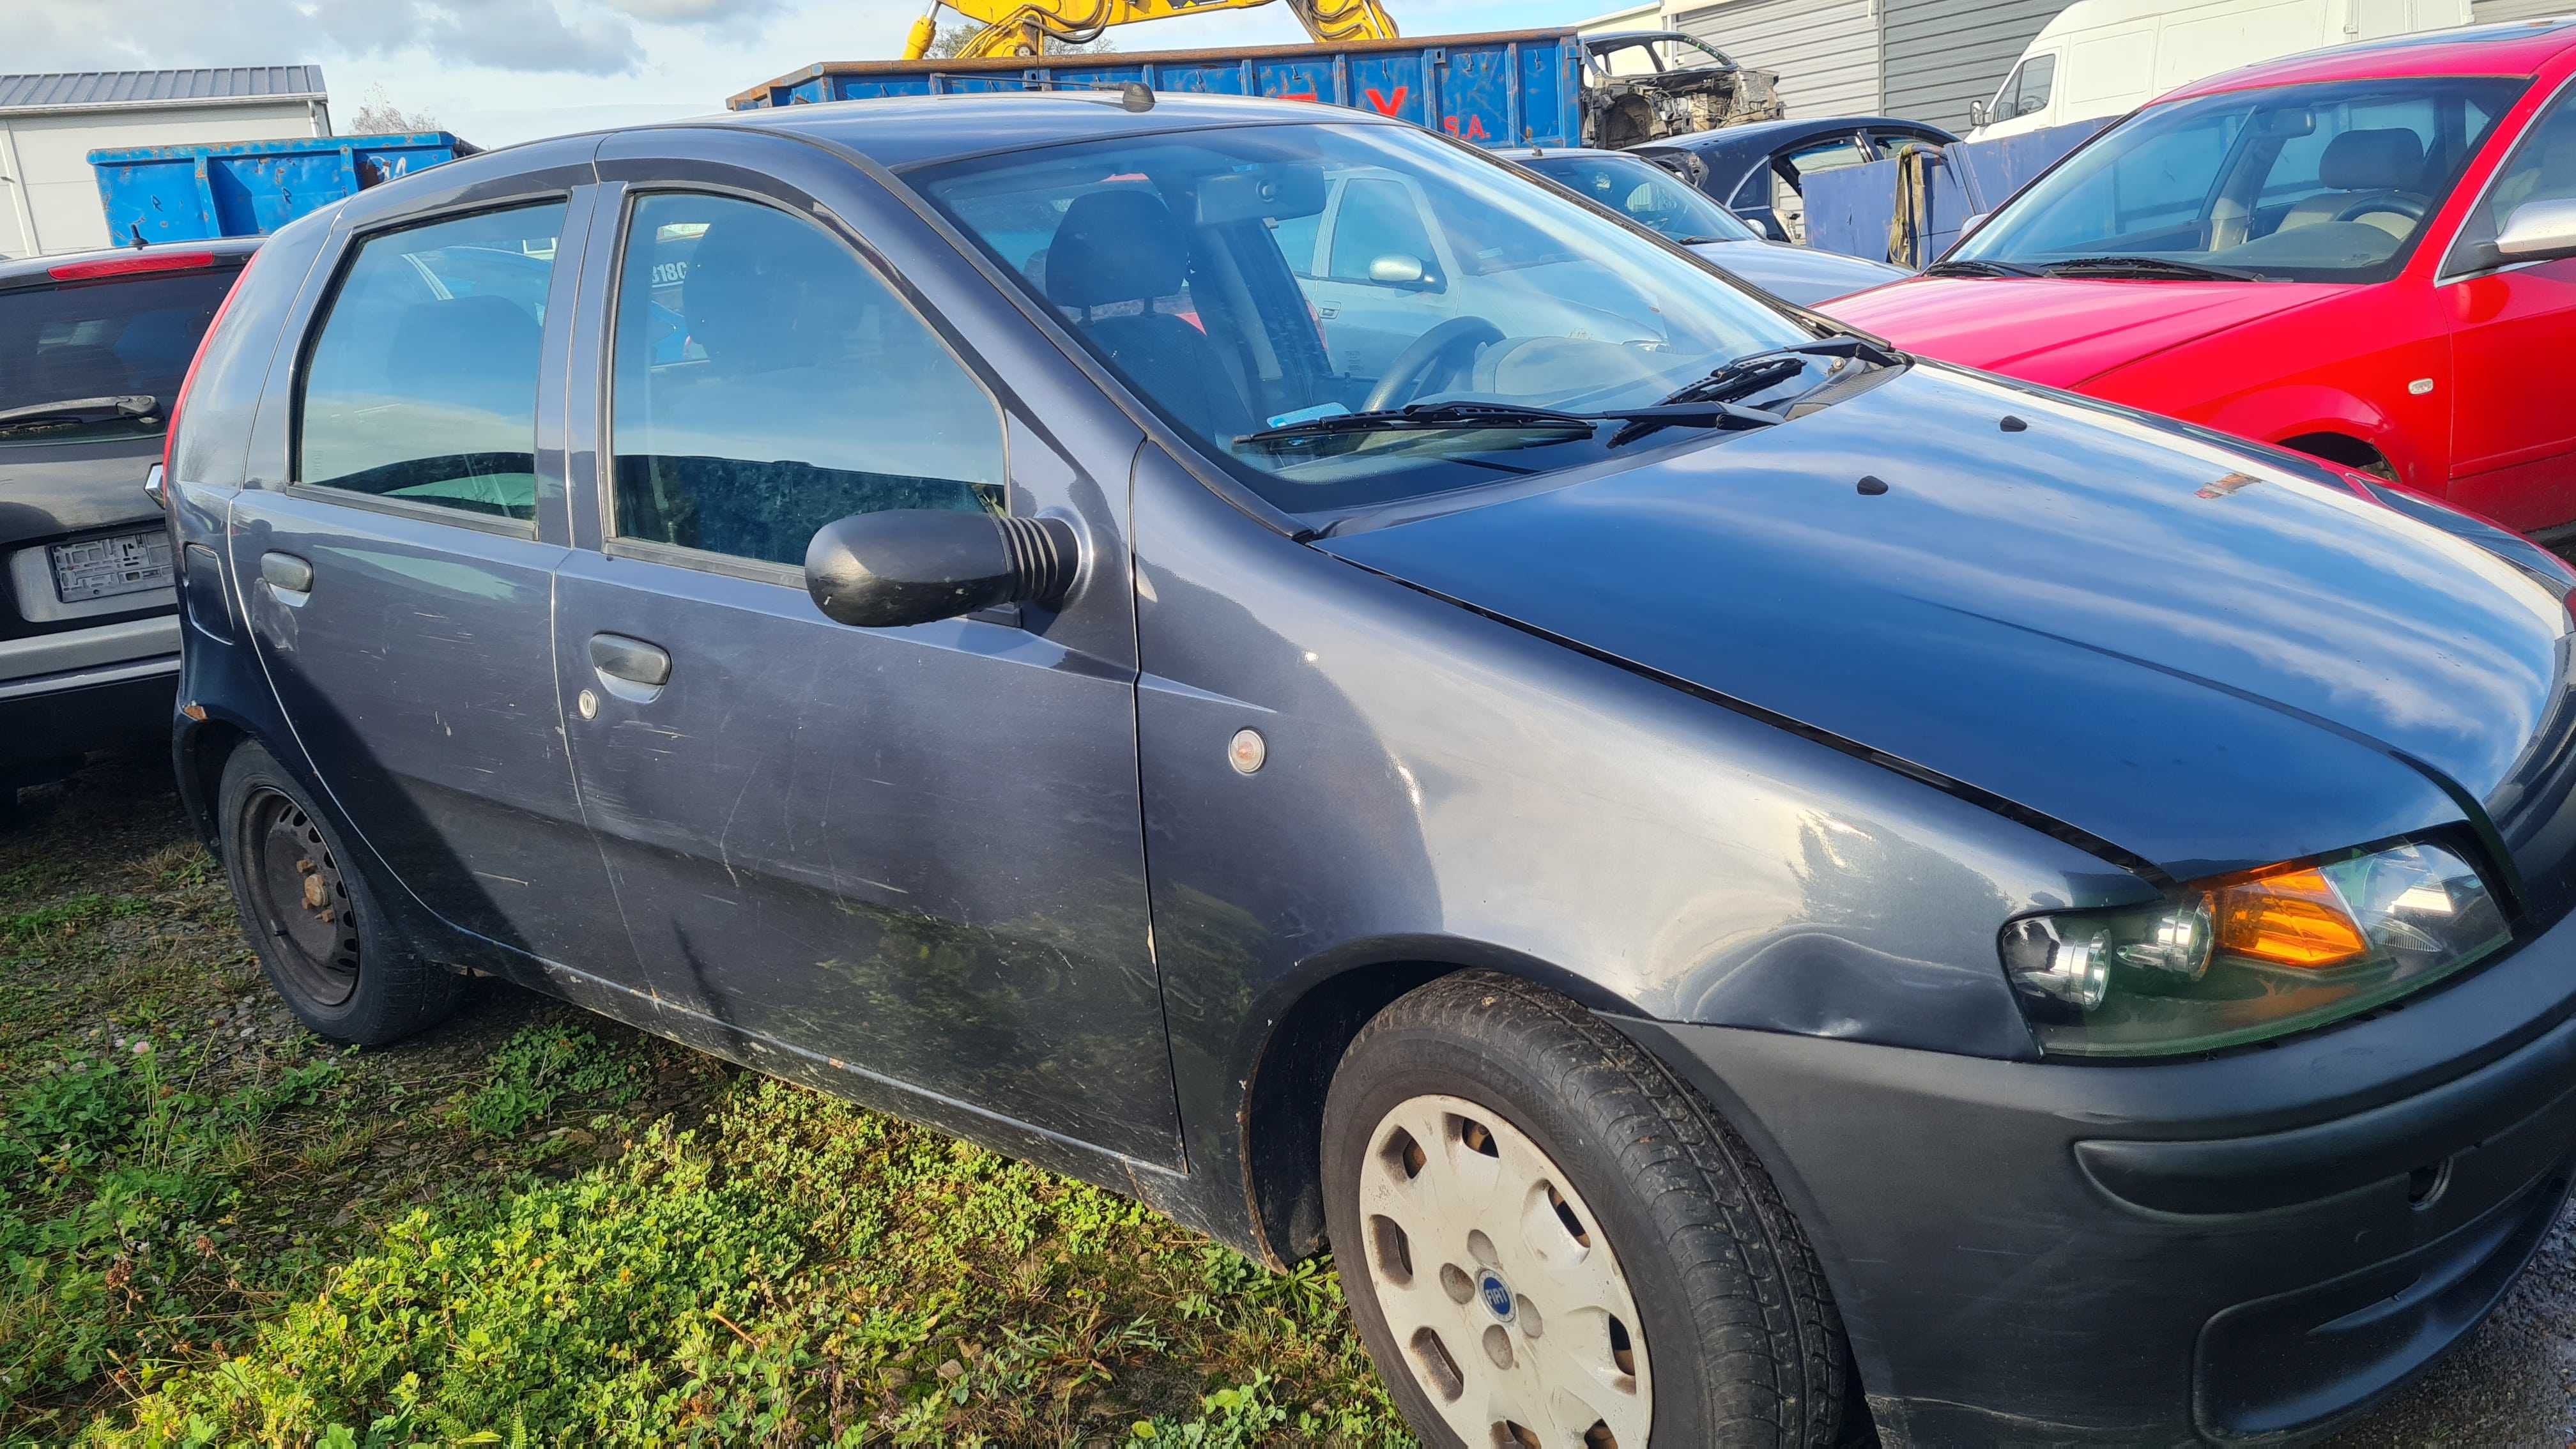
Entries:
{"x":2276,"y":415}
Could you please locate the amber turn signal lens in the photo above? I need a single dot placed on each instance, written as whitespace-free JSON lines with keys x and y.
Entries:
{"x":2289,"y":918}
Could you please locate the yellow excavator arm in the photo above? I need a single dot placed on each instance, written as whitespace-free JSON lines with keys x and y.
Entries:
{"x":1023,"y":27}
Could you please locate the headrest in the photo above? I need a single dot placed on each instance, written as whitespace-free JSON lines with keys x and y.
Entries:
{"x":1118,"y":245}
{"x":766,"y":290}
{"x":2391,"y":159}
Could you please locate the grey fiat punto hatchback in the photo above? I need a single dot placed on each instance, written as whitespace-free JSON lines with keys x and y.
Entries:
{"x":1745,"y":882}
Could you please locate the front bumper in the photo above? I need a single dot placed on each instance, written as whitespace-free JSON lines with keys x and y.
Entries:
{"x":2247,"y":1248}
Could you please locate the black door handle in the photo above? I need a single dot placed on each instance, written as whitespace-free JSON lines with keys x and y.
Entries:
{"x":617,"y":657}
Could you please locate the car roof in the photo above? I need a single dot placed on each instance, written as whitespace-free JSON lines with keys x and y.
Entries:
{"x":2508,"y":48}
{"x":900,"y":131}
{"x":20,"y":269}
{"x":1762,"y":137}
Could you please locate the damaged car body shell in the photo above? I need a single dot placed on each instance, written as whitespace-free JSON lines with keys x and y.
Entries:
{"x":1648,"y":84}
{"x":1751,"y":761}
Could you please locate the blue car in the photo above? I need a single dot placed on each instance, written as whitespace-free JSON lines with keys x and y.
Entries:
{"x":1654,"y":197}
{"x":1749,"y":885}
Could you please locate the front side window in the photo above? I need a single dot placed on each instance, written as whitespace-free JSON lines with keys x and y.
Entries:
{"x":2316,"y":183}
{"x":423,"y":387}
{"x":1645,"y":193}
{"x":2026,"y":90}
{"x":1163,"y":254}
{"x":769,"y":382}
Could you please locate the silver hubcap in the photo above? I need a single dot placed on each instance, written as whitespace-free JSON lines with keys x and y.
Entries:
{"x":1503,"y":1294}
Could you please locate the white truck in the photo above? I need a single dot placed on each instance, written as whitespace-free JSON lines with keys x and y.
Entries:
{"x":2108,"y":57}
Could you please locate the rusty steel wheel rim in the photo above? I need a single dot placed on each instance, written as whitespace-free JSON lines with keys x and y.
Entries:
{"x":300,"y":898}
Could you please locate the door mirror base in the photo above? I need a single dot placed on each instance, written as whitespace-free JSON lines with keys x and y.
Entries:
{"x":917,"y":565}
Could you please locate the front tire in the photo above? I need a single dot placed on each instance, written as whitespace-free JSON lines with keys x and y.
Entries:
{"x":312,"y":917}
{"x":1548,"y":1240}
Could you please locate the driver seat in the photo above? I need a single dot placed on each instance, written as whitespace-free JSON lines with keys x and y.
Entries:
{"x":2360,"y":167}
{"x":1117,"y":252}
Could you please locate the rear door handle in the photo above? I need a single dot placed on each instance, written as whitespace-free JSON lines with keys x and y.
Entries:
{"x":631,"y":668}
{"x":288,"y":575}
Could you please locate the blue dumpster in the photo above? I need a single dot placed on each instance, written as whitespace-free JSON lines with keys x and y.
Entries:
{"x":250,"y":188}
{"x":1507,"y":88}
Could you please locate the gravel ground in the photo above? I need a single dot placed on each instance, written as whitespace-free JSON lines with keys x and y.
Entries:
{"x":2512,"y":1385}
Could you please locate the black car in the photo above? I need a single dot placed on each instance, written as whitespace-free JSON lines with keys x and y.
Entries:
{"x":93,"y":349}
{"x":1744,"y":879}
{"x":1759,"y":171}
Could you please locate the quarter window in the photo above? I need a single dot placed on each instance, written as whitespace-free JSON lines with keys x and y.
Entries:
{"x":2543,"y":168}
{"x":769,"y":382}
{"x":1377,"y":219}
{"x":422,"y":383}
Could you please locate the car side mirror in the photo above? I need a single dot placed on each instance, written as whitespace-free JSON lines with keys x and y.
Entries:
{"x":1766,"y":221}
{"x":1968,"y":228}
{"x":2539,"y":231}
{"x":155,"y":489}
{"x":917,"y":565}
{"x":1977,"y":115}
{"x":1396,"y":269}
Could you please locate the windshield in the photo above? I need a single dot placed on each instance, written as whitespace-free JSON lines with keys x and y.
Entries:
{"x":2312,"y":183}
{"x":1645,"y":193}
{"x":84,"y":341}
{"x":1256,"y":277}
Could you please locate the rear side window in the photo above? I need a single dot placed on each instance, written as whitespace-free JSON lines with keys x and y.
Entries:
{"x":422,"y":383}
{"x":777,"y":385}
{"x":81,"y":342}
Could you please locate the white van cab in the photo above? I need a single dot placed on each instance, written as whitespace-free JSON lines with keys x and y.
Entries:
{"x":2108,"y":57}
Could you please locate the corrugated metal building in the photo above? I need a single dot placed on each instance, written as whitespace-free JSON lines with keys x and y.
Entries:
{"x":50,"y":123}
{"x":1923,"y":60}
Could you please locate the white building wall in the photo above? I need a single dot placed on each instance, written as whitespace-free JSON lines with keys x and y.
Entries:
{"x":48,"y":193}
{"x":1824,"y":51}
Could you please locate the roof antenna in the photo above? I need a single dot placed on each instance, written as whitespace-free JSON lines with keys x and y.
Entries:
{"x":135,"y":227}
{"x":1135,"y":96}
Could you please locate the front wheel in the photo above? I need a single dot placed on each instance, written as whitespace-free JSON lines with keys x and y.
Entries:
{"x":1548,"y":1240}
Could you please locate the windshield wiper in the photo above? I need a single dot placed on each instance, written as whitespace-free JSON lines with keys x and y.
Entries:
{"x":1754,"y":371}
{"x":2149,"y":269}
{"x":1692,"y":241}
{"x":1441,"y":415}
{"x":79,"y":410}
{"x":1971,"y":267}
{"x":1451,"y":416}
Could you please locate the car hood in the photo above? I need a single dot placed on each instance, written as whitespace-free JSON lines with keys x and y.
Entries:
{"x":2203,"y":660}
{"x":1800,"y":274}
{"x":2063,"y":331}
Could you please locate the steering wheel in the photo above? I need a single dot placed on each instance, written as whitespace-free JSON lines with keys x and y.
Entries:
{"x":1447,"y":345}
{"x":2410,"y":207}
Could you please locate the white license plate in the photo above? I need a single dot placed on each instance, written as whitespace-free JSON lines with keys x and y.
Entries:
{"x":102,"y":568}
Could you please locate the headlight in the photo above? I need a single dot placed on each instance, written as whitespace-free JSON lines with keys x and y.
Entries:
{"x":2241,"y":958}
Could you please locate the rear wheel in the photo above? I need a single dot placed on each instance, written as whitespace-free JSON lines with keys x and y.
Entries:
{"x":311,"y":915}
{"x":1548,"y":1240}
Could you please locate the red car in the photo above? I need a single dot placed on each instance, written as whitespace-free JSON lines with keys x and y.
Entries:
{"x":2366,"y":253}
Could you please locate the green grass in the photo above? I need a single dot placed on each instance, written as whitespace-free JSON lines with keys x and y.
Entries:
{"x":535,"y":1226}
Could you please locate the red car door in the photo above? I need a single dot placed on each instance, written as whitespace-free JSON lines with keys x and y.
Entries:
{"x":2513,"y":329}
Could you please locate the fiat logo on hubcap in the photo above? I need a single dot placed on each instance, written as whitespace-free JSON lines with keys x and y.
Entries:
{"x":1497,"y":1294}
